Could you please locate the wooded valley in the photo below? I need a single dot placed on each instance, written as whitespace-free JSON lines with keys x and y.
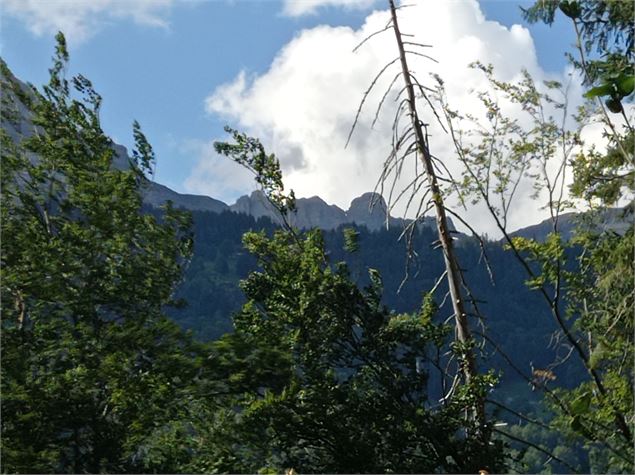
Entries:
{"x":143,"y":336}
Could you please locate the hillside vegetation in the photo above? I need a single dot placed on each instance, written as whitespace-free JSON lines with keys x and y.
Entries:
{"x":140,"y":337}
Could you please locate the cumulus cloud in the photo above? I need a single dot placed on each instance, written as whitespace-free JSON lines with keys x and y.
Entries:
{"x":230,"y":179}
{"x":303,"y":106}
{"x":296,"y":8}
{"x":81,"y":19}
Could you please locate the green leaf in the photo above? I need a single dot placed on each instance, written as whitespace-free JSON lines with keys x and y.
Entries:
{"x":581,"y":404}
{"x":614,"y":105}
{"x":351,"y":240}
{"x":599,"y":91}
{"x":576,"y":425}
{"x":570,"y":8}
{"x":625,"y":85}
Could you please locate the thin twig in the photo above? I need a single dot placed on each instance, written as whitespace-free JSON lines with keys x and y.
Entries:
{"x":537,"y":447}
{"x":365,"y":96}
{"x":378,"y":32}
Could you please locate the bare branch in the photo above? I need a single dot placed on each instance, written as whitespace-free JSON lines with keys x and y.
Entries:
{"x":425,"y":96}
{"x":378,"y":32}
{"x":413,"y":43}
{"x":480,"y":242}
{"x":365,"y":96}
{"x":537,"y":447}
{"x":381,"y":102}
{"x":416,"y":53}
{"x":520,"y":415}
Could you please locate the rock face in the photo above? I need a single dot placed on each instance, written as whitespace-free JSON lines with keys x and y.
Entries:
{"x":368,"y":210}
{"x":156,"y":195}
{"x":14,"y":95}
{"x":255,"y":205}
{"x":311,"y":212}
{"x":315,"y":213}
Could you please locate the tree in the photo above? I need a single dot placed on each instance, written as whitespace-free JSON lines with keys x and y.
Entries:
{"x":606,"y":59}
{"x":412,"y":140}
{"x":576,"y":278}
{"x":95,"y":378}
{"x":355,"y":395}
{"x":500,"y":156}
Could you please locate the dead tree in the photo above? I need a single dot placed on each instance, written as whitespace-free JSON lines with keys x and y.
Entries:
{"x":414,"y":140}
{"x":453,"y":271}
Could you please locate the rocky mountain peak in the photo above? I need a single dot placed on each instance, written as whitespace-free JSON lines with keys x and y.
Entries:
{"x":369,"y":210}
{"x":255,"y":205}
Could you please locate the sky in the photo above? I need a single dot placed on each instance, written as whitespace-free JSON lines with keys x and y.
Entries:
{"x":283,"y":71}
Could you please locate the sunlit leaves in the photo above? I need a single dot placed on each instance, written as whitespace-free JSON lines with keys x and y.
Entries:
{"x":250,"y":153}
{"x":93,"y":372}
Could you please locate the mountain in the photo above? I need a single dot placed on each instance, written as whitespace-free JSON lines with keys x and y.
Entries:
{"x":368,"y":210}
{"x":516,"y":318}
{"x":211,"y":282}
{"x":613,"y":219}
{"x":156,"y":195}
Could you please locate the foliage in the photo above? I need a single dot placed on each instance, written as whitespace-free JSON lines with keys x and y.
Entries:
{"x":518,"y":321}
{"x":604,"y":28}
{"x":575,"y":278}
{"x":601,"y":295}
{"x":318,"y":375}
{"x":351,"y":239}
{"x":505,"y":153}
{"x":249,"y":152}
{"x":355,"y":398}
{"x":94,"y":376}
{"x":607,"y":177}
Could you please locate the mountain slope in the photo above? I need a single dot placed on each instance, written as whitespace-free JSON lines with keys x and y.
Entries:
{"x":617,"y":220}
{"x":368,"y":210}
{"x":515,"y":316}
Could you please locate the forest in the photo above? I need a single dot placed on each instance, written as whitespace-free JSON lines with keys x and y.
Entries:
{"x":142,"y":339}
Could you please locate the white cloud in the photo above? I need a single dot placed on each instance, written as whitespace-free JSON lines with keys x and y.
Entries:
{"x":230,"y":179}
{"x":81,"y":19}
{"x":296,"y":8}
{"x":302,"y":108}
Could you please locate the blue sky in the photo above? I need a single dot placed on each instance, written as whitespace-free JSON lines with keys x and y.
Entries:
{"x":166,"y":62}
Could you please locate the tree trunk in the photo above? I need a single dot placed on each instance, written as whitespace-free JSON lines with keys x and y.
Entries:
{"x":463,"y":335}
